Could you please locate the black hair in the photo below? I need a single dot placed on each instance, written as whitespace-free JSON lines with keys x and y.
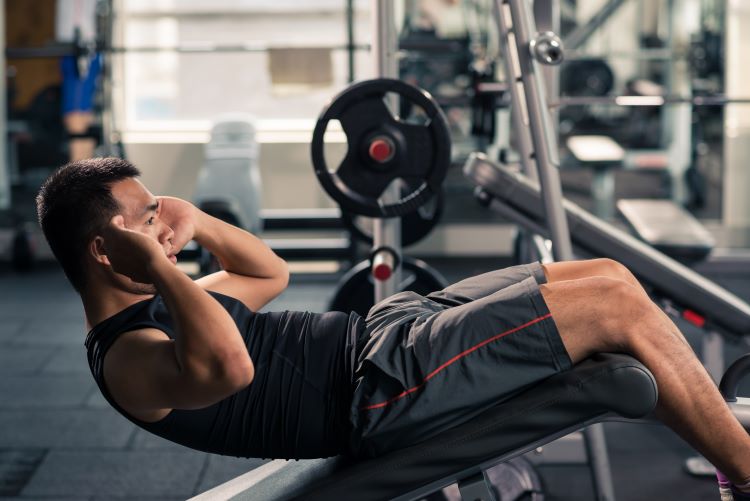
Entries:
{"x":74,"y":204}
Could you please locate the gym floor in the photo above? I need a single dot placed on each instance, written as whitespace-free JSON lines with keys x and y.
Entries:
{"x":59,"y":439}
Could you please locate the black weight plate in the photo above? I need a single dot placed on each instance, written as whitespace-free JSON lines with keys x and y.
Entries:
{"x":422,"y":152}
{"x":586,"y":77}
{"x":414,"y":226}
{"x":356,"y":290}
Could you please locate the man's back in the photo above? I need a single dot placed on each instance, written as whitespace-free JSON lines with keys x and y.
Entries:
{"x":298,"y":402}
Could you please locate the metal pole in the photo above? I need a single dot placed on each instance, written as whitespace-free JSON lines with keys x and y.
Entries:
{"x":105,"y":27}
{"x":5,"y":198}
{"x":736,"y":175}
{"x":543,"y":137}
{"x":386,"y":232}
{"x":547,"y":17}
{"x":350,"y":38}
{"x":56,"y":50}
{"x":653,"y":101}
{"x":581,"y":34}
{"x":519,"y":116}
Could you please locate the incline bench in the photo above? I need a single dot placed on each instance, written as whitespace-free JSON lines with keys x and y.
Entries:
{"x":605,"y":387}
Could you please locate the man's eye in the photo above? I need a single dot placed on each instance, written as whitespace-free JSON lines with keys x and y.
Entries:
{"x":150,"y":221}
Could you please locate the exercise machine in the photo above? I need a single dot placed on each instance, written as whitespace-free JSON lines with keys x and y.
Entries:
{"x":391,"y":173}
{"x":394,"y":166}
{"x":229,"y":184}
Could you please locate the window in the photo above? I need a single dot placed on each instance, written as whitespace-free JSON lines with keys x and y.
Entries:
{"x":279,"y":60}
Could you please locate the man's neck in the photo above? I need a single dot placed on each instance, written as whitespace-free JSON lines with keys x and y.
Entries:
{"x":103,"y":301}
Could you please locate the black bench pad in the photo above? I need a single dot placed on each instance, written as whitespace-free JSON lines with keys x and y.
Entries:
{"x":595,"y":390}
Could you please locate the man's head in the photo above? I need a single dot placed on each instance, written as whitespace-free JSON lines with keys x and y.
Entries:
{"x":74,"y":206}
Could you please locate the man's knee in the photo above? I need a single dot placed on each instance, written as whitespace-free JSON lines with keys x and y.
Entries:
{"x":598,"y":313}
{"x":614,"y":269}
{"x":624,"y":312}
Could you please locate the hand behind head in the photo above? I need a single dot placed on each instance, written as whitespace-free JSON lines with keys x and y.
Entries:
{"x":131,"y":253}
{"x":181,"y":216}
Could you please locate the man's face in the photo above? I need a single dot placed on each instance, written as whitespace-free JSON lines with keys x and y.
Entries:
{"x":141,"y":211}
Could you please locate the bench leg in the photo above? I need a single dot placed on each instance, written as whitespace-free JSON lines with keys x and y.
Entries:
{"x":596,"y":446}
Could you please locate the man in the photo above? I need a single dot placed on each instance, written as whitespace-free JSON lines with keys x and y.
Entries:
{"x":193,"y":362}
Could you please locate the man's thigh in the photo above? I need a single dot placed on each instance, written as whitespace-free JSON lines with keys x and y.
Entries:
{"x":453,"y":364}
{"x":480,"y":286}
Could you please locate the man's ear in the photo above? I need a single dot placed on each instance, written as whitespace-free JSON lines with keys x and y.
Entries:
{"x":98,"y":252}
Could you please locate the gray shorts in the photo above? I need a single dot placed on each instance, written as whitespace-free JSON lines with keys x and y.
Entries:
{"x":429,"y":363}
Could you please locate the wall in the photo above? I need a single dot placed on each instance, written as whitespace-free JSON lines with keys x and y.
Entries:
{"x":171,"y":168}
{"x":31,"y":26}
{"x":736,"y":210}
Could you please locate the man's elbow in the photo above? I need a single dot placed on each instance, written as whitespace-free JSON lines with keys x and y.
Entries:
{"x":239,"y":372}
{"x":283,"y":274}
{"x":211,"y":382}
{"x":280,"y":279}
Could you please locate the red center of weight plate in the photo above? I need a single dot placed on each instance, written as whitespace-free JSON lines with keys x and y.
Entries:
{"x":382,"y":272}
{"x":381,"y":150}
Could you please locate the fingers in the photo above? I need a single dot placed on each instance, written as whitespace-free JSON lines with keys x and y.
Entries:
{"x":179,"y":215}
{"x":118,"y":221}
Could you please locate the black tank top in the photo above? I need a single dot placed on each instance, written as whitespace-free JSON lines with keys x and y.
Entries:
{"x":298,"y":403}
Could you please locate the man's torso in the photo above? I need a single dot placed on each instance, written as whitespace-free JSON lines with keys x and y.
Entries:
{"x":298,"y":402}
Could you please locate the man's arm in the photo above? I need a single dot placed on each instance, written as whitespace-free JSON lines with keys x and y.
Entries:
{"x":146,"y":372}
{"x":251,"y":273}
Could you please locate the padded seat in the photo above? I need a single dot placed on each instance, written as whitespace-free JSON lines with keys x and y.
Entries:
{"x":668,"y":227}
{"x":605,"y":387}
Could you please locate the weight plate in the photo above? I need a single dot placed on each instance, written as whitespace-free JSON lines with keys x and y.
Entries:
{"x":356,"y":289}
{"x":414,"y":226}
{"x":421,"y":155}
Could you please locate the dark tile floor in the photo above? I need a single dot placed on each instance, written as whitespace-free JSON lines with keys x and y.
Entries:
{"x":59,"y":440}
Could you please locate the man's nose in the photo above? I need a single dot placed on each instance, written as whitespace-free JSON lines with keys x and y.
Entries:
{"x":167,"y":233}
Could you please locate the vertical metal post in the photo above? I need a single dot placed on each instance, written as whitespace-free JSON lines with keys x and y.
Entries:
{"x":736,"y":203}
{"x":519,"y":116}
{"x":676,"y":120}
{"x":547,"y":15}
{"x":111,"y":141}
{"x":5,"y":199}
{"x":713,"y":354}
{"x":350,"y":39}
{"x":516,"y":29}
{"x":542,"y":134}
{"x":386,"y":232}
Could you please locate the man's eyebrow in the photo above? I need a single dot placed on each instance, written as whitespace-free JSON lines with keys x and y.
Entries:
{"x":151,"y":208}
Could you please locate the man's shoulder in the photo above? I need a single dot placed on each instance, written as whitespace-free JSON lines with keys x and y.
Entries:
{"x":136,"y":339}
{"x":136,"y":317}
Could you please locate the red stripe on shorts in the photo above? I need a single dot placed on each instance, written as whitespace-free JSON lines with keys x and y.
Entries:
{"x":451,"y":361}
